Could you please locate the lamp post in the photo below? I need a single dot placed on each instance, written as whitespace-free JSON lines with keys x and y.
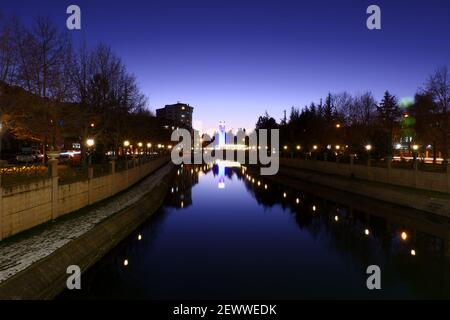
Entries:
{"x":126,"y":145}
{"x":415,"y":154}
{"x":90,"y":143}
{"x":368,"y":149}
{"x":338,"y":148}
{"x":140,"y":145}
{"x":315,"y":147}
{"x":149,"y":145}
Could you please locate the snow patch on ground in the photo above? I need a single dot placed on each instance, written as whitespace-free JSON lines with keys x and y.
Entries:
{"x":19,"y":255}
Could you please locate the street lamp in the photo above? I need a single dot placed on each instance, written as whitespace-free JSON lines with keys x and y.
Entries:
{"x":126,"y":145}
{"x":368,"y":149}
{"x":415,"y":153}
{"x":90,"y":143}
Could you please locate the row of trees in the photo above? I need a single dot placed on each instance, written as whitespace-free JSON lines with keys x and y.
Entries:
{"x":49,"y":90}
{"x":356,"y":121}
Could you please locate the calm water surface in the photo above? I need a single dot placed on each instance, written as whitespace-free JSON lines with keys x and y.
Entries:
{"x":225,"y":235}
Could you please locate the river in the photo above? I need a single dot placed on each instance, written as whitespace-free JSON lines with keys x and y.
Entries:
{"x":225,"y":234}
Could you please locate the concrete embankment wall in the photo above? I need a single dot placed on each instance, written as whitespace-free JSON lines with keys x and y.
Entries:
{"x":406,"y":197}
{"x":432,"y":181}
{"x":25,"y":206}
{"x":47,"y":278}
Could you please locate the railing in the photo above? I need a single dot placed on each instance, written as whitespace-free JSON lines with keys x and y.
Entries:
{"x":418,"y":164}
{"x":100,"y":170}
{"x":415,"y":174}
{"x":27,"y":204}
{"x":68,"y":174}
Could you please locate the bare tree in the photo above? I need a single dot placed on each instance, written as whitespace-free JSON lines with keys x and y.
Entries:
{"x":438,"y":86}
{"x":7,"y":53}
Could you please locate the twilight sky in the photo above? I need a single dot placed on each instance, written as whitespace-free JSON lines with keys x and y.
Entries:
{"x":234,"y":59}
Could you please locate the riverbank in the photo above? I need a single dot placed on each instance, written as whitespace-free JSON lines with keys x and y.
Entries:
{"x":33,"y":265}
{"x":425,"y":201}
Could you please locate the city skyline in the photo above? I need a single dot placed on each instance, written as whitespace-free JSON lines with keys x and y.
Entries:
{"x":256,"y":56}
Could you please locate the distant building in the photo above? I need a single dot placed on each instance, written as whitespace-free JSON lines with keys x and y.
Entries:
{"x":178,"y":113}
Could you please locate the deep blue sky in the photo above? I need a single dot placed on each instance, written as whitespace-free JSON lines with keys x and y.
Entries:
{"x":234,"y":59}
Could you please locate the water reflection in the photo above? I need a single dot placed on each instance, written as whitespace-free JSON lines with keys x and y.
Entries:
{"x":245,"y":236}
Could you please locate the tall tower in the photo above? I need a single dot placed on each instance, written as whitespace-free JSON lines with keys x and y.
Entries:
{"x":222,"y":134}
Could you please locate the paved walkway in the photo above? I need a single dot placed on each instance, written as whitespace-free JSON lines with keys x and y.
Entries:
{"x":17,"y":255}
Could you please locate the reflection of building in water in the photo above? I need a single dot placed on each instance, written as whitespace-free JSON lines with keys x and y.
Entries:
{"x":182,"y":190}
{"x":222,"y":169}
{"x":221,"y":175}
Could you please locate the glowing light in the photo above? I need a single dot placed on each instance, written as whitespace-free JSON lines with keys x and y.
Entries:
{"x":415,"y":147}
{"x":170,"y":146}
{"x":368,"y":147}
{"x":315,"y":147}
{"x":228,"y":164}
{"x":338,"y":126}
{"x":314,"y":208}
{"x":404,"y":236}
{"x":297,"y":200}
{"x":139,"y":237}
{"x":285,"y":147}
{"x":182,"y":204}
{"x":259,"y":183}
{"x":284,"y":195}
{"x":406,"y":102}
{"x":140,"y":144}
{"x":265,"y":186}
{"x":398,"y":146}
{"x":125,"y":262}
{"x":336,"y":218}
{"x":90,"y":142}
{"x":299,"y":147}
{"x":366,"y":232}
{"x":338,"y":147}
{"x":413,"y":252}
{"x":92,"y":125}
{"x":149,"y":145}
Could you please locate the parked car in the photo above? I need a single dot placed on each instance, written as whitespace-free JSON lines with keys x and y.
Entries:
{"x":24,"y":158}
